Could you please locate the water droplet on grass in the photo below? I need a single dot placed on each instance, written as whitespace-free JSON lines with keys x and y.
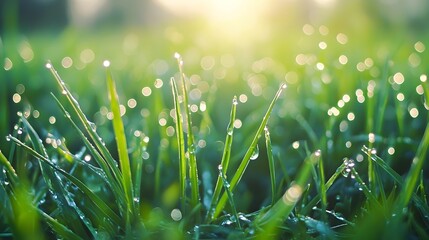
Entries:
{"x":219,"y":167}
{"x":106,"y":63}
{"x":93,"y":126}
{"x":255,"y":153}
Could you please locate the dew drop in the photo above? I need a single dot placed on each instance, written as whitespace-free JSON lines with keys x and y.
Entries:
{"x":8,"y":138}
{"x":64,"y":91}
{"x":318,"y":153}
{"x":92,"y":125}
{"x":219,"y":167}
{"x":106,"y":63}
{"x":48,"y":65}
{"x":87,"y":158}
{"x":255,"y":153}
{"x":19,"y":132}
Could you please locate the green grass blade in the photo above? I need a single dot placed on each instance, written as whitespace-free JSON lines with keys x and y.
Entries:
{"x":76,"y":218}
{"x":368,"y":193}
{"x":322,"y":187}
{"x":421,"y":188}
{"x":225,"y":159}
{"x":284,"y":206}
{"x":103,"y":208}
{"x":420,"y":203}
{"x":112,"y":180}
{"x":271,"y":165}
{"x":328,"y":185}
{"x":230,"y":196}
{"x":193,"y":169}
{"x":414,"y":173}
{"x":9,"y":169}
{"x":181,"y":146}
{"x":61,"y":230}
{"x":245,"y":161}
{"x":121,"y":142}
{"x":88,"y":126}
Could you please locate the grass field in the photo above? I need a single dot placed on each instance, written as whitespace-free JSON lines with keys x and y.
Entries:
{"x":299,"y":131}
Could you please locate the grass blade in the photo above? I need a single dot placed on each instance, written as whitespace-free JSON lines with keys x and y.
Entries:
{"x":230,"y":196}
{"x":322,"y":187}
{"x":225,"y":158}
{"x":98,"y":201}
{"x":421,"y":204}
{"x":328,"y":185}
{"x":245,"y":161}
{"x":61,"y":230}
{"x":56,"y":185}
{"x":271,"y":165}
{"x":193,"y":170}
{"x":284,"y":206}
{"x":88,"y":126}
{"x":121,"y":142}
{"x":181,"y":146}
{"x":414,"y":173}
{"x":112,"y":180}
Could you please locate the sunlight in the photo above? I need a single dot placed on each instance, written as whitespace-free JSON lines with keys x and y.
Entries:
{"x":232,"y":17}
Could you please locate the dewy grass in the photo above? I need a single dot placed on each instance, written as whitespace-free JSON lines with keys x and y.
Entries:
{"x":75,"y":199}
{"x":121,"y":142}
{"x":181,"y":146}
{"x":225,"y":159}
{"x":191,"y":154}
{"x":245,"y":161}
{"x":284,"y":206}
{"x":271,"y":165}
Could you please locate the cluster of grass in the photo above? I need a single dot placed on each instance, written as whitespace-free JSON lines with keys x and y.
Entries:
{"x":342,"y":155}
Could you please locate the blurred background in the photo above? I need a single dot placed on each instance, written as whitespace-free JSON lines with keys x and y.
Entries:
{"x":327,"y":51}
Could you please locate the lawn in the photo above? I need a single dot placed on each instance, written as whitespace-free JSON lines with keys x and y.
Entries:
{"x":287,"y":128}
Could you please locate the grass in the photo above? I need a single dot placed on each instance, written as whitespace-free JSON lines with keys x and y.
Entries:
{"x":338,"y":154}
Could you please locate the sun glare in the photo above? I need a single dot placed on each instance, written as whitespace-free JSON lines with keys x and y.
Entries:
{"x":233,"y":16}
